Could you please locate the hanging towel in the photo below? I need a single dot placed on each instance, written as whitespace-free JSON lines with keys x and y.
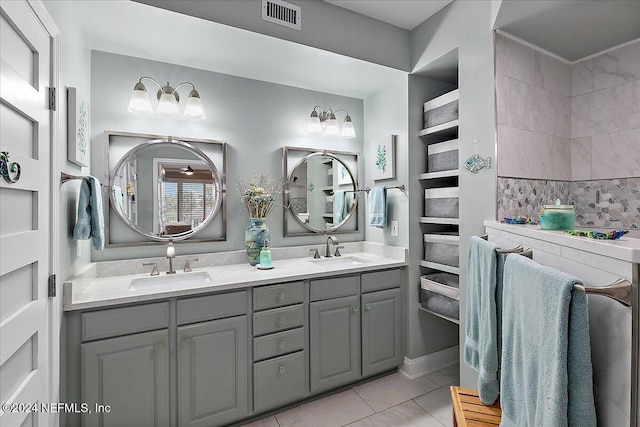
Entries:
{"x":339,"y":206}
{"x":546,"y":377}
{"x":482,"y":327}
{"x":90,"y":221}
{"x":378,"y":207}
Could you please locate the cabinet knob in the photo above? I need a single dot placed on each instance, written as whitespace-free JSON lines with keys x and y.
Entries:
{"x":280,"y":297}
{"x":355,"y":308}
{"x":280,"y":321}
{"x":367,"y":307}
{"x":159,"y":346}
{"x":281,"y":370}
{"x":281,"y":345}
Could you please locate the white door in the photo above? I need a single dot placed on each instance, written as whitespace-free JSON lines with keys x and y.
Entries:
{"x":24,"y":214}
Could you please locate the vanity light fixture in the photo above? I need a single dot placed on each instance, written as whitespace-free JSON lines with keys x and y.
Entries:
{"x":168,"y":99}
{"x":325,"y":122}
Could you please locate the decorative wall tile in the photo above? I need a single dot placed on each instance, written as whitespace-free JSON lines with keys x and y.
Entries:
{"x":556,"y":75}
{"x":611,"y":203}
{"x":616,"y":155}
{"x":535,"y":109}
{"x":524,"y":154}
{"x":581,"y":158}
{"x":582,"y":77}
{"x":607,"y":110}
{"x":617,"y":67}
{"x":517,"y":61}
{"x":526,"y":196}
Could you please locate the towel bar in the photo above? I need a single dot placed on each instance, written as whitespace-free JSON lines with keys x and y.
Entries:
{"x":64,"y":177}
{"x":367,"y":189}
{"x":620,"y":290}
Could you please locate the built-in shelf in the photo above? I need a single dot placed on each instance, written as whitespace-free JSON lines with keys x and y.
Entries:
{"x":442,"y":316}
{"x":441,"y":267}
{"x":446,"y":221}
{"x":441,"y":174}
{"x":443,"y":130}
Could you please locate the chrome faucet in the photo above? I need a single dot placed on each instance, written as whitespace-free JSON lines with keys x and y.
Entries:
{"x":171,"y":254}
{"x":327,"y":249}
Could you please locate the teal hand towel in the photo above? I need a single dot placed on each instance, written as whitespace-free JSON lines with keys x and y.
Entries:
{"x":482,"y":327}
{"x":339,"y":206}
{"x":378,"y":207}
{"x":546,"y":375}
{"x":90,"y":220}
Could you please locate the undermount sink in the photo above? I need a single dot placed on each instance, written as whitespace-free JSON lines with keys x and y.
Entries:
{"x":342,"y":261}
{"x":182,"y":279}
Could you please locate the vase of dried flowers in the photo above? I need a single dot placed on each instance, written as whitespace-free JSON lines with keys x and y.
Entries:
{"x":259,"y":200}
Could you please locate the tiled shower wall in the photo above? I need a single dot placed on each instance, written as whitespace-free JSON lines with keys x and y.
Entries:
{"x":596,"y":164}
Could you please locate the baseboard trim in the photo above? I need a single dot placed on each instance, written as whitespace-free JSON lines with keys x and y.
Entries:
{"x":414,"y":368}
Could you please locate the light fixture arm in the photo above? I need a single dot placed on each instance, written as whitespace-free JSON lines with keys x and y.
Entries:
{"x":149,"y":78}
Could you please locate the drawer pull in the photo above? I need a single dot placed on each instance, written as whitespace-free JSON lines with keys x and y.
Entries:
{"x":280,"y":321}
{"x":281,"y":345}
{"x":281,"y":370}
{"x":280,"y":297}
{"x":367,"y":307}
{"x":355,"y":309}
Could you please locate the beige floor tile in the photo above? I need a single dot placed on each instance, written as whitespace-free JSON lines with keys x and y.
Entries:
{"x":393,"y":389}
{"x":332,"y":411}
{"x":438,"y":404}
{"x":407,"y":414}
{"x":447,"y":376}
{"x":265,"y":422}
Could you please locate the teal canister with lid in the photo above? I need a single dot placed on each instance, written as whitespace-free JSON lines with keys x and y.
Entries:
{"x":557,"y":217}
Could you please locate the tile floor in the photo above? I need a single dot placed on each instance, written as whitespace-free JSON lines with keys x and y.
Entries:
{"x":393,"y":400}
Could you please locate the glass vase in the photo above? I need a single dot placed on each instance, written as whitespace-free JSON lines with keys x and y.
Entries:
{"x":254,"y":236}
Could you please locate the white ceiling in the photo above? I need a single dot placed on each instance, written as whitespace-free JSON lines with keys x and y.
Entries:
{"x":406,"y":14}
{"x":135,"y":29}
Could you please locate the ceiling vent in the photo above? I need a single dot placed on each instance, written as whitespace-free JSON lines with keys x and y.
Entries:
{"x":282,"y":13}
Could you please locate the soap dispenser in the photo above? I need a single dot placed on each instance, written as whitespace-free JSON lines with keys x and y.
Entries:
{"x":265,"y":257}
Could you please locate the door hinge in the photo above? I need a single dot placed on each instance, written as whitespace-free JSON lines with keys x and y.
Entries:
{"x":52,"y":98}
{"x":52,"y":286}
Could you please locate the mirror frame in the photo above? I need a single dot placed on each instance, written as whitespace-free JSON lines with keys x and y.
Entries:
{"x":287,"y":194}
{"x":147,"y":139}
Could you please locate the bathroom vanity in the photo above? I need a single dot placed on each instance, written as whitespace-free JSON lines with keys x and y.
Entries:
{"x":226,"y":342}
{"x":613,"y":327}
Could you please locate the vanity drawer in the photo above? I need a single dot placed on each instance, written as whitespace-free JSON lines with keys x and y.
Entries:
{"x":124,"y":321}
{"x":334,"y":288}
{"x":381,"y":280}
{"x":278,"y":344}
{"x":279,"y":381}
{"x":278,"y":295}
{"x":278,"y":319}
{"x":211,"y":307}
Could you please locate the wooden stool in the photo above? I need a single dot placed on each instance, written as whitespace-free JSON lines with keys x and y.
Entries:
{"x":469,"y":411}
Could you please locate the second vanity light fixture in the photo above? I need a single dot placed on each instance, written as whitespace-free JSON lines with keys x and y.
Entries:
{"x":324,"y":122}
{"x":168,"y":99}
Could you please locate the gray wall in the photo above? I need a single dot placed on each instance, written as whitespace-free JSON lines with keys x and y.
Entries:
{"x":465,"y":25}
{"x":324,"y":26}
{"x":255,"y":118}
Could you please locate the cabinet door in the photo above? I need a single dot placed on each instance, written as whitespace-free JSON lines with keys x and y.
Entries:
{"x":131,"y":375}
{"x":212,"y":372}
{"x":381,"y":331}
{"x":335,"y":342}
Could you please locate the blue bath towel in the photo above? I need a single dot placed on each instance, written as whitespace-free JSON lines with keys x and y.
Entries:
{"x":482,"y":327}
{"x":90,"y":221}
{"x":378,"y":207}
{"x":339,"y":206}
{"x":546,"y":377}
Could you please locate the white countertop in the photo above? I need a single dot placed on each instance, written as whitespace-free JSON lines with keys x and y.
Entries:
{"x":625,"y":249}
{"x":87,"y":291}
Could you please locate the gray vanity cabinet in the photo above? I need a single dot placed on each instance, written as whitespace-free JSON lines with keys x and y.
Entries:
{"x":131,"y":375}
{"x":381,"y":331}
{"x":212,"y":372}
{"x":334,"y":326}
